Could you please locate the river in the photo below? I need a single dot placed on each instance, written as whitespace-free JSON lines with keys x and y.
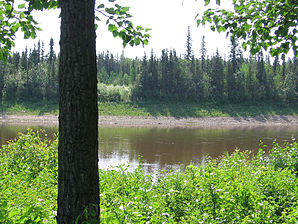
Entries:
{"x":169,"y":148}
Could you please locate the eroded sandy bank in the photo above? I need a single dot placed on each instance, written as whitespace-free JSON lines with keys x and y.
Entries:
{"x":124,"y":121}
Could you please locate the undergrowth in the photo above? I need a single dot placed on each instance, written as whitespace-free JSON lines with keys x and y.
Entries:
{"x":238,"y":188}
{"x":112,"y":105}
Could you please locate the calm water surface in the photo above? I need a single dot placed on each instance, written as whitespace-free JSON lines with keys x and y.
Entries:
{"x":169,"y":148}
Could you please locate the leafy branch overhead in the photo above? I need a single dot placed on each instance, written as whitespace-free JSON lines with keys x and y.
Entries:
{"x":15,"y":17}
{"x":267,"y":24}
{"x":120,"y":25}
{"x":18,"y":16}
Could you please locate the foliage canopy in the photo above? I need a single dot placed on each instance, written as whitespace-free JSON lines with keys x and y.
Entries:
{"x":267,"y":24}
{"x":19,"y":17}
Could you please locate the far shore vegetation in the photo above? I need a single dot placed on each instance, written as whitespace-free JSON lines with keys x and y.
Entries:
{"x":170,"y":85}
{"x":156,"y":109}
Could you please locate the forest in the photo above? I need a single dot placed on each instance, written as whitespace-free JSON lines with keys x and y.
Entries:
{"x":32,"y":75}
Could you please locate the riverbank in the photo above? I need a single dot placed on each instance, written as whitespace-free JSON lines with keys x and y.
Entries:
{"x":162,"y":109}
{"x":162,"y":122}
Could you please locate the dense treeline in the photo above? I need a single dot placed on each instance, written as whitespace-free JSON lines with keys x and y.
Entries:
{"x":33,"y":76}
{"x":233,"y":79}
{"x":30,"y":76}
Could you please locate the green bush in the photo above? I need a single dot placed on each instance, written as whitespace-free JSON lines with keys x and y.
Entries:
{"x":239,"y":188}
{"x":28,"y":179}
{"x":111,"y":93}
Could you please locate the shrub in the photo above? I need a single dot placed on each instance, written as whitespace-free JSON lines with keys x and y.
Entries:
{"x":111,"y":93}
{"x":28,"y":180}
{"x":237,"y":188}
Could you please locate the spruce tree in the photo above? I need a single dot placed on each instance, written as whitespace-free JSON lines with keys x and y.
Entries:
{"x":164,"y":73}
{"x":51,"y":56}
{"x":52,"y":77}
{"x":261,"y":73}
{"x":217,"y":77}
{"x":153,"y":72}
{"x":189,"y":53}
{"x":144,"y":80}
{"x":24,"y":59}
{"x":275,"y":65}
{"x":203,"y":52}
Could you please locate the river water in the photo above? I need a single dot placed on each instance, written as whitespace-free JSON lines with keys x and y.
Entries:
{"x":169,"y":148}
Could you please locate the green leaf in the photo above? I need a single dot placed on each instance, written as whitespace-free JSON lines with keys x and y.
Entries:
{"x":125,"y":9}
{"x":15,"y":27}
{"x":244,"y":46}
{"x":101,"y":6}
{"x":21,"y":6}
{"x":220,"y":29}
{"x":288,"y":3}
{"x":8,"y":7}
{"x":207,"y":2}
{"x":115,"y":33}
{"x":112,"y":27}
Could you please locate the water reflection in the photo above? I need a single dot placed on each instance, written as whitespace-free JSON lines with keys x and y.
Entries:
{"x":169,"y":148}
{"x":9,"y":132}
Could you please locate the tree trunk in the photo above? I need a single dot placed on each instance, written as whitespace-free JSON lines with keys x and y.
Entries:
{"x":78,"y":182}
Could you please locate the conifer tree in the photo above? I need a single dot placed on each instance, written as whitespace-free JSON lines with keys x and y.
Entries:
{"x":144,"y":78}
{"x":189,"y":53}
{"x":15,"y":60}
{"x":283,"y":73}
{"x":51,"y":56}
{"x":250,"y":87}
{"x":52,"y":78}
{"x":24,"y":59}
{"x":164,"y":73}
{"x":275,"y":65}
{"x":217,"y":77}
{"x":198,"y":81}
{"x":203,"y":52}
{"x":261,"y":73}
{"x":153,"y":72}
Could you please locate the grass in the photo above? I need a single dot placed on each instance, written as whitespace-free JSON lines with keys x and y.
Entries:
{"x":156,"y":109}
{"x":191,"y":109}
{"x":30,"y":108}
{"x":237,"y":188}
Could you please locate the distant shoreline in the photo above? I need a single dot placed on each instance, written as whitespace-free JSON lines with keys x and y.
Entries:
{"x":161,"y":122}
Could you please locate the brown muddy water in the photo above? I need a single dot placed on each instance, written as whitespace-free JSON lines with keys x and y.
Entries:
{"x":169,"y":148}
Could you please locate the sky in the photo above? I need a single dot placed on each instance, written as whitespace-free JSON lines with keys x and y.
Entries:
{"x":168,"y":19}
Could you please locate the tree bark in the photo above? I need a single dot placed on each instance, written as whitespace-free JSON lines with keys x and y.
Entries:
{"x":78,"y":181}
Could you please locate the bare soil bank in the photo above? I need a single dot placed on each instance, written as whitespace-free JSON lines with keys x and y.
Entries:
{"x":123,"y":121}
